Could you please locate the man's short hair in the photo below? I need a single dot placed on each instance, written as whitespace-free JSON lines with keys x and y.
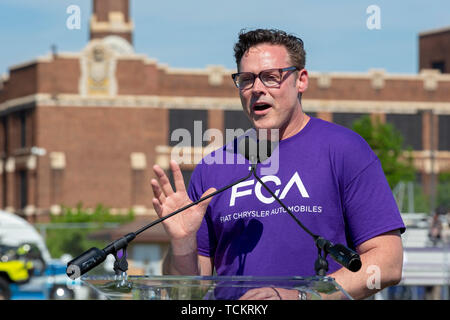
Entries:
{"x":293,"y":44}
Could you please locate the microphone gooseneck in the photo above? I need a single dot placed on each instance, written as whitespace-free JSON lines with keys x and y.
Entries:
{"x":343,"y":255}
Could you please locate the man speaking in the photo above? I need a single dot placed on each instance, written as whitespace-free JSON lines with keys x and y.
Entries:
{"x":327,"y":176}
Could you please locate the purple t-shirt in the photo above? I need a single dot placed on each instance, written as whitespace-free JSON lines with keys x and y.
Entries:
{"x":329,"y":178}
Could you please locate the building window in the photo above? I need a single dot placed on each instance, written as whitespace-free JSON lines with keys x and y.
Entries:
{"x":444,"y":132}
{"x":235,"y":124}
{"x":236,"y":120}
{"x":439,"y":65}
{"x":23,"y":189}
{"x":347,"y":119}
{"x":194,"y":121}
{"x":4,"y":135}
{"x":410,"y":127}
{"x":186,"y":177}
{"x":23,"y":129}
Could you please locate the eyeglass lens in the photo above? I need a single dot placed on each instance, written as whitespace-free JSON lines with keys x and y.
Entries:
{"x":269,"y":78}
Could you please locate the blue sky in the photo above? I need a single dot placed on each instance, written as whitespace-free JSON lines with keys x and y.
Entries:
{"x":197,"y":33}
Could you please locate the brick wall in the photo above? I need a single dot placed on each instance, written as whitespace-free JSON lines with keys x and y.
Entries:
{"x":103,"y":7}
{"x":136,"y":77}
{"x":97,"y":144}
{"x":22,"y":82}
{"x":61,"y":75}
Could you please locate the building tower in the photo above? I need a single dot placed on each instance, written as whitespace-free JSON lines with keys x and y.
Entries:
{"x":111,"y":17}
{"x":434,"y":48}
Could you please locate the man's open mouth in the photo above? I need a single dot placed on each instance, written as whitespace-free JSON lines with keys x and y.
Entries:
{"x":261,"y":106}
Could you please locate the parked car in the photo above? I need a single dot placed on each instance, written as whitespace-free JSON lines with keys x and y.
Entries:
{"x":14,"y":269}
{"x":37,"y":275}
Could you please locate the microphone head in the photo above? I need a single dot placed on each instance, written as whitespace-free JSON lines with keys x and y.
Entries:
{"x":343,"y":255}
{"x":355,"y":264}
{"x":346,"y":257}
{"x":85,"y":262}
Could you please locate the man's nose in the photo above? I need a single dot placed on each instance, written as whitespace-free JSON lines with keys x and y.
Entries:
{"x":258,"y":86}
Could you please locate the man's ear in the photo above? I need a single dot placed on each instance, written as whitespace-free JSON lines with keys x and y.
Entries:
{"x":302,"y":80}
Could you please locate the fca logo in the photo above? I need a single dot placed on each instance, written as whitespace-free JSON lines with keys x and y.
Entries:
{"x":295,"y":180}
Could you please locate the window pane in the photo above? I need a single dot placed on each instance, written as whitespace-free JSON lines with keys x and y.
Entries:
{"x":194,"y":121}
{"x":444,"y":132}
{"x":23,"y":189}
{"x":23,"y":129}
{"x":236,"y":123}
{"x":236,"y":120}
{"x":347,"y":119}
{"x":410,"y":127}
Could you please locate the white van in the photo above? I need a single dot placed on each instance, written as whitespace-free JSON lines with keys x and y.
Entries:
{"x":15,"y":231}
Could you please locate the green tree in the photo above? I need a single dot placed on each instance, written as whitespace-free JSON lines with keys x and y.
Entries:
{"x":443,"y":190}
{"x":74,"y":241}
{"x":387,"y":143}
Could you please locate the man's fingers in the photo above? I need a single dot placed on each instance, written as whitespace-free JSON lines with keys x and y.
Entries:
{"x":177,"y":177}
{"x":157,"y":207}
{"x":163,"y":180}
{"x":157,"y":191}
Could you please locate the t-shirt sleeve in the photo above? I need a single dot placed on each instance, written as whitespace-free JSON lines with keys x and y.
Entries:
{"x":369,"y":205}
{"x":206,"y":240}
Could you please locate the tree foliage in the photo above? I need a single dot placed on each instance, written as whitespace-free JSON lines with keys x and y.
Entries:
{"x":76,"y":240}
{"x":443,"y":190}
{"x":387,"y":143}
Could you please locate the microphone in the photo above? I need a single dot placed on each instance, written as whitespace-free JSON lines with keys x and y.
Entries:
{"x":341,"y":254}
{"x":85,"y":262}
{"x":250,"y":149}
{"x":94,"y":256}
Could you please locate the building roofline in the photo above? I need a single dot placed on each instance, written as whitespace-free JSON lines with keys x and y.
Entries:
{"x":209,"y":68}
{"x":44,"y":59}
{"x":434,"y":31}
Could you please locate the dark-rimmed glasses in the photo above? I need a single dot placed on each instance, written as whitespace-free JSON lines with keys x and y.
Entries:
{"x":271,"y":78}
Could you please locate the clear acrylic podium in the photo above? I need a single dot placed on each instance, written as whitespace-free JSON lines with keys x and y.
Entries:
{"x":204,"y":288}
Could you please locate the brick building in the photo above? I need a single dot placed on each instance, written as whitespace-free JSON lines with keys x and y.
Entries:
{"x":88,"y":126}
{"x":434,"y":48}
